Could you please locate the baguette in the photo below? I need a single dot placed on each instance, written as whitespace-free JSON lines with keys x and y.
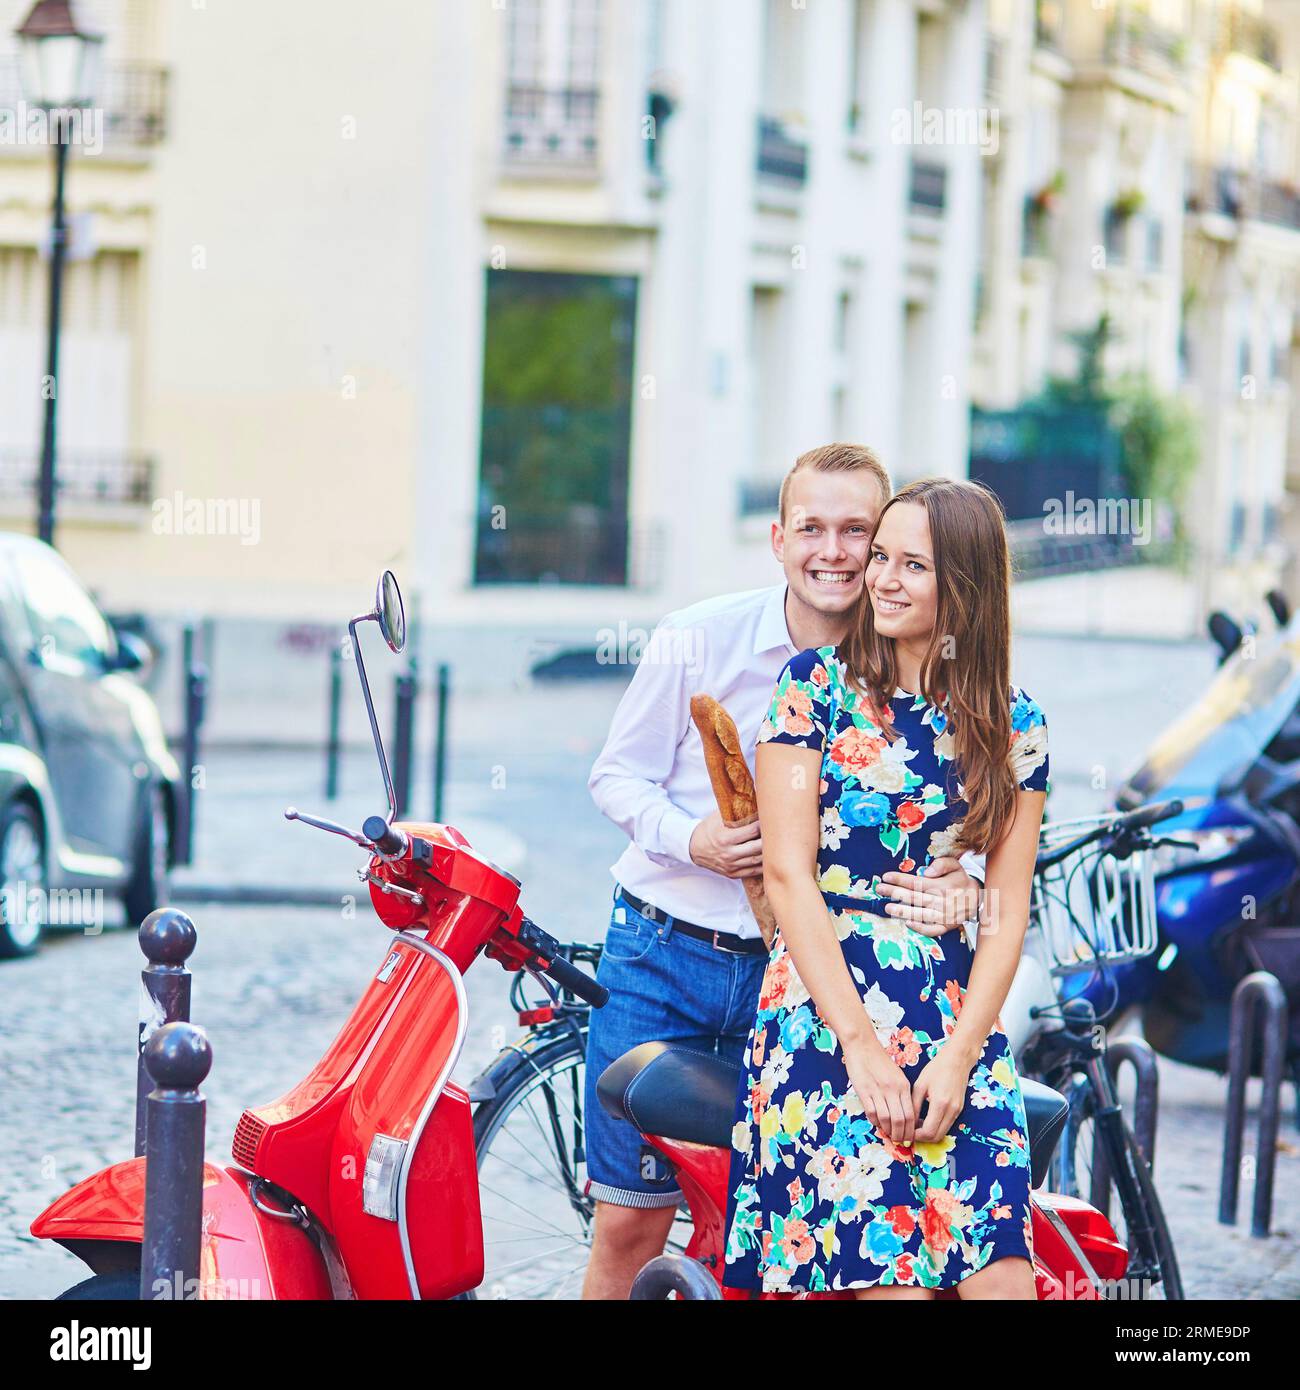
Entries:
{"x":733,"y":788}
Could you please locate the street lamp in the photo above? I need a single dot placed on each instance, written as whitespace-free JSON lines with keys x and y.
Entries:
{"x":60,"y":62}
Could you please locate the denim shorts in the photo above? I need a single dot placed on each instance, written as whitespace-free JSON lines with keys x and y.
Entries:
{"x":663,"y":986}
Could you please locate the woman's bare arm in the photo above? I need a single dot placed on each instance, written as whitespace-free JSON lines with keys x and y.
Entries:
{"x":941,"y":1087}
{"x":1003,"y":920}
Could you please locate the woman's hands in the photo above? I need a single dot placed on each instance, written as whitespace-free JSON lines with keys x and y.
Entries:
{"x":942,"y":1083}
{"x":883,"y":1088}
{"x":894,"y":1105}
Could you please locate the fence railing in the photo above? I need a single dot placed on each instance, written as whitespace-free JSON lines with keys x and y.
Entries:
{"x":94,"y":477}
{"x":552,"y":128}
{"x":1250,"y":35}
{"x":132,"y":97}
{"x":782,"y":157}
{"x":1241,"y":194}
{"x":928,"y":187}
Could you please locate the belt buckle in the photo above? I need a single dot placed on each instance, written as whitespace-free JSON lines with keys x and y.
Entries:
{"x":727,"y":950}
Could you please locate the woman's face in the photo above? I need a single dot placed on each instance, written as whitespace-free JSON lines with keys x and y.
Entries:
{"x":900,"y":575}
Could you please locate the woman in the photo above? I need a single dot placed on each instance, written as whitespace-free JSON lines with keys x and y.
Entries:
{"x":881,"y":1142}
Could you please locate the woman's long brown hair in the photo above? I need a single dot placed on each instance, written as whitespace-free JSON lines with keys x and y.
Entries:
{"x":966,"y":670}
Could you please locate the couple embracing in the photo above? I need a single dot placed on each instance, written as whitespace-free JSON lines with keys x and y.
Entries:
{"x":880,"y":1142}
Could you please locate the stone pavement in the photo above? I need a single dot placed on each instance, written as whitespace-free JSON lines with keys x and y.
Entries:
{"x":273,"y":984}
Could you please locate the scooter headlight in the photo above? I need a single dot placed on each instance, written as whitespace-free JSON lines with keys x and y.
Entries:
{"x":383,"y":1170}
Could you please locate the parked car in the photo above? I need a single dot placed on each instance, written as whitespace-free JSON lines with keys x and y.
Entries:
{"x":88,"y":788}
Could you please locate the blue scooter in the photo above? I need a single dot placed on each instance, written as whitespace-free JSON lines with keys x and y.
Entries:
{"x":1228,"y":892}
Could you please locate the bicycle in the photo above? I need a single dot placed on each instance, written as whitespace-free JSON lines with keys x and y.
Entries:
{"x":1092,"y":908}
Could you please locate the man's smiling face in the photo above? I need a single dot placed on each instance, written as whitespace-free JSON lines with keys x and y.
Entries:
{"x":825,"y":541}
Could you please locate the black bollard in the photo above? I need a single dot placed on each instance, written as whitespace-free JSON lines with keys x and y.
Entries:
{"x":440,"y":740}
{"x":167,"y":937}
{"x":332,"y":740}
{"x":1260,"y":993}
{"x":404,"y":715}
{"x":178,"y":1057}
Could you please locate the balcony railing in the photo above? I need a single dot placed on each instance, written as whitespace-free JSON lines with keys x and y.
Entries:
{"x":781,"y":157}
{"x":927,"y":191}
{"x":552,"y":128}
{"x":80,"y":476}
{"x":1134,"y":40}
{"x":132,"y":97}
{"x":1252,"y":36}
{"x":1049,"y":23}
{"x":1034,"y":239}
{"x":1245,"y":196}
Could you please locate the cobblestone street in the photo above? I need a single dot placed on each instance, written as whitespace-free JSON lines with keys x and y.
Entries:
{"x":273,"y":984}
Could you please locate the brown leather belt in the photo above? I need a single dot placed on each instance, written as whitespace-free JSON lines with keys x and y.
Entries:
{"x":719,"y":940}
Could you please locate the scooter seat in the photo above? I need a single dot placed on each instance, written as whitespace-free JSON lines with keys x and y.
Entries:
{"x":679,"y":1093}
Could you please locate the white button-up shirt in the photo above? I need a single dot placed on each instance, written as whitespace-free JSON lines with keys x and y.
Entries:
{"x":651,"y":779}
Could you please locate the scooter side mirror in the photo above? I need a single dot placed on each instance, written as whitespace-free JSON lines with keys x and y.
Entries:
{"x":390,"y":616}
{"x":1280,"y":606}
{"x":389,"y":611}
{"x":1226,"y":634}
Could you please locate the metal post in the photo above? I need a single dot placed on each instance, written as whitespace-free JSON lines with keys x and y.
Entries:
{"x":178,"y":1057}
{"x":403,"y":714}
{"x":58,"y":253}
{"x":167,"y":937}
{"x":440,"y":740}
{"x":1259,"y":993}
{"x":332,"y":741}
{"x":196,"y":690}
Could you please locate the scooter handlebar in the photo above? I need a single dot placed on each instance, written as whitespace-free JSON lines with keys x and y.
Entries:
{"x":568,"y":976}
{"x":559,"y":967}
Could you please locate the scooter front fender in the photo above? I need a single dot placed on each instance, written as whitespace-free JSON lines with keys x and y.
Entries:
{"x":244,"y":1252}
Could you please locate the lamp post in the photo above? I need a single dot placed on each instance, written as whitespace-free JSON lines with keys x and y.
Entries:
{"x":60,"y":62}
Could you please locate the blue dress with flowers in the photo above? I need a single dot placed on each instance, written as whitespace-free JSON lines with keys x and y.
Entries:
{"x":818,"y":1199}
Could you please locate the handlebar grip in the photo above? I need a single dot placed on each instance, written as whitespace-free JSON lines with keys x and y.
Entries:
{"x":568,"y":976}
{"x":1146,"y":816}
{"x":387,"y":839}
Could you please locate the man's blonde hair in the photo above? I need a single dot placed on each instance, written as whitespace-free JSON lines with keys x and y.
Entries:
{"x":838,"y":458}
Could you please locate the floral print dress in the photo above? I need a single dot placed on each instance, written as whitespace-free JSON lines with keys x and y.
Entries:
{"x":819,"y":1200}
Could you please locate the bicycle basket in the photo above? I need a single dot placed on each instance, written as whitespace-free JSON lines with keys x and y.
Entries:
{"x":1092,"y":907}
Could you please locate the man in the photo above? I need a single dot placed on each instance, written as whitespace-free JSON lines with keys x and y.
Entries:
{"x":683,"y":956}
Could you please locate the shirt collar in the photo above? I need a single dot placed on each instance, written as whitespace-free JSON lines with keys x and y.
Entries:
{"x":772,"y":630}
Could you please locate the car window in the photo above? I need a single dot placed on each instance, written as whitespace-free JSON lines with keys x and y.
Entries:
{"x":63,"y":617}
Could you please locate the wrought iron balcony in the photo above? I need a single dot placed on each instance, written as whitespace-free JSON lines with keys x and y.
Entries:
{"x":552,"y":128}
{"x":928,"y":188}
{"x":132,"y":97}
{"x":1245,"y":196}
{"x":781,"y":157}
{"x":90,"y":476}
{"x":1134,"y":40}
{"x":1250,"y":35}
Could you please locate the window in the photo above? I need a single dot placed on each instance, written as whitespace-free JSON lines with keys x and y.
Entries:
{"x":64,"y":620}
{"x":553,"y":83}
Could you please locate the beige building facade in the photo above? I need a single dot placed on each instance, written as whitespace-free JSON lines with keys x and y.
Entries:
{"x":535,"y":300}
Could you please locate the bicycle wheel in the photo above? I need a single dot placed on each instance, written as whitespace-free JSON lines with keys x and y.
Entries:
{"x":1090,"y":1167}
{"x":532,"y":1171}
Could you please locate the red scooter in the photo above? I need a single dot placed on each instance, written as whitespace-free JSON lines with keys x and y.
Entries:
{"x":665,"y":1090}
{"x":362,"y":1181}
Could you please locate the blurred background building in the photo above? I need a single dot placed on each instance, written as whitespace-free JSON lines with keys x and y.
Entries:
{"x":536,"y":300}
